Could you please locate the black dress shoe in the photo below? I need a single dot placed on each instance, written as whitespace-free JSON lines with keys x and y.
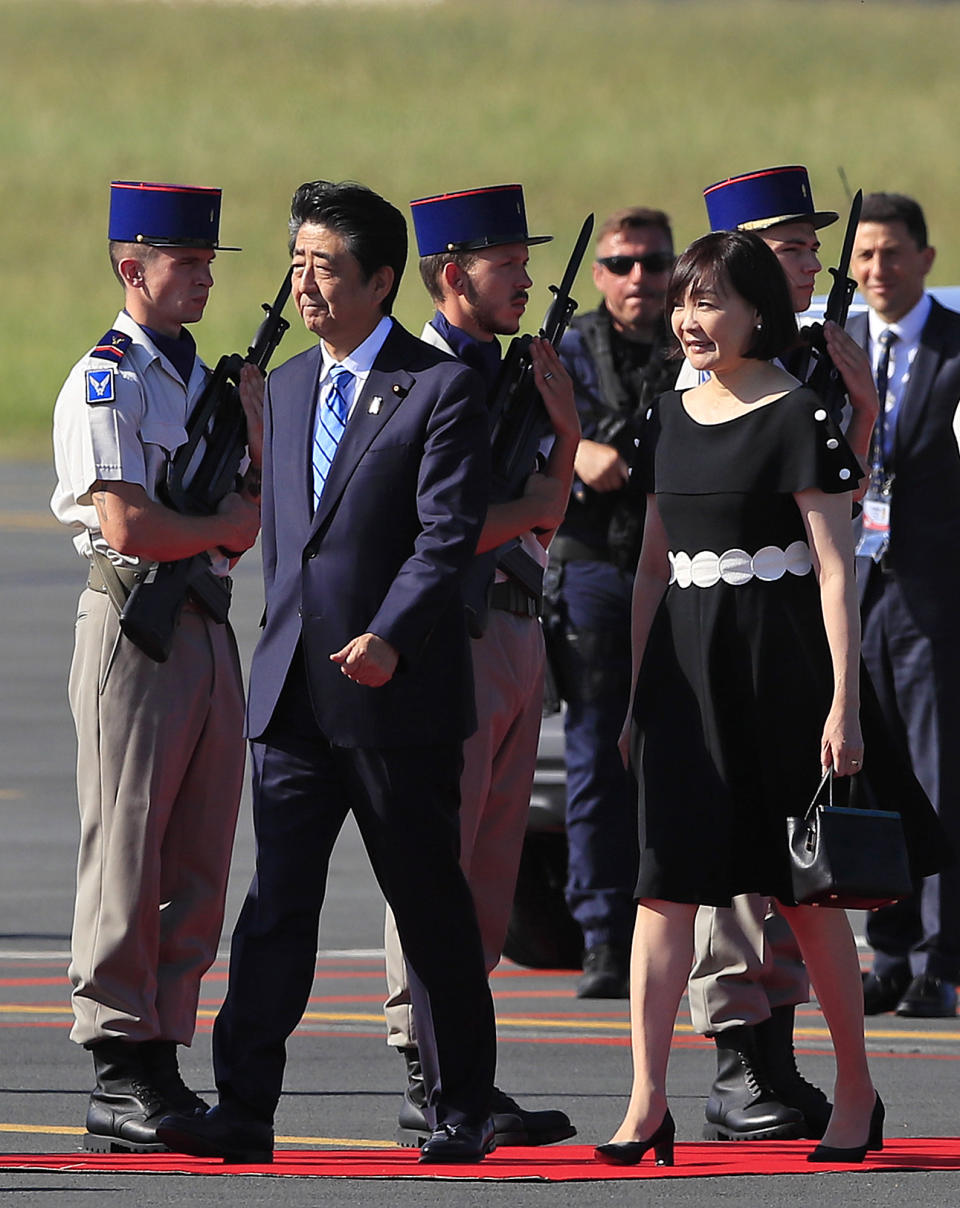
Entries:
{"x":928,"y":998}
{"x":512,"y":1124}
{"x":516,"y":1125}
{"x":629,"y":1153}
{"x":856,"y":1153}
{"x":606,"y":973}
{"x":882,"y":994}
{"x":459,"y":1143}
{"x":218,"y":1134}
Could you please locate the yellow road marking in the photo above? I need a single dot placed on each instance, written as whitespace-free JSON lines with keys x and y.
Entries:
{"x":28,"y":520}
{"x":530,"y":1021}
{"x":72,"y":1131}
{"x":12,"y":1008}
{"x":64,"y":1131}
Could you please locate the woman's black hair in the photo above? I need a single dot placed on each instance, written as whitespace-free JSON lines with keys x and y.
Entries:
{"x":742,"y":262}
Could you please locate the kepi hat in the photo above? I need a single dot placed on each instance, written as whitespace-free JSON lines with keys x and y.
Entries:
{"x":756,"y":201}
{"x":471,"y":220}
{"x":165,"y":215}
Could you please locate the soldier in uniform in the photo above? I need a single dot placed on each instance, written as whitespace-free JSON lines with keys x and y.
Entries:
{"x":748,"y":974}
{"x":160,"y":745}
{"x":474,"y":252}
{"x":616,"y":356}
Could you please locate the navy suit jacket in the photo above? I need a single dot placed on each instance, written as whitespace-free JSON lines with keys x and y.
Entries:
{"x":924,"y":546}
{"x":396,"y":528}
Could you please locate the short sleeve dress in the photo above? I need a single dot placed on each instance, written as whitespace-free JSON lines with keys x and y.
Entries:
{"x":736,"y":679}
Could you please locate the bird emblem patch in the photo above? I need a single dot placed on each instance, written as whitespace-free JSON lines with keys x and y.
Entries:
{"x":100,"y":386}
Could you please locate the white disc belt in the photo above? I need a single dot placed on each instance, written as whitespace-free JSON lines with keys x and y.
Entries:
{"x":736,"y":566}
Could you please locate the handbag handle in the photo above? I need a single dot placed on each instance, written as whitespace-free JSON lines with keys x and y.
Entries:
{"x":827,"y":780}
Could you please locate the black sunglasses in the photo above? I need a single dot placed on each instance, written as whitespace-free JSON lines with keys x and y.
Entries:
{"x":653,"y":262}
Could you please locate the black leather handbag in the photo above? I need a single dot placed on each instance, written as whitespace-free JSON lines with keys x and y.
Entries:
{"x":849,"y":858}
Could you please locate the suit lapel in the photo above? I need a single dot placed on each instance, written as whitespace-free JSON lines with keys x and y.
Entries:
{"x":386,"y":386}
{"x":922,"y":372}
{"x":292,"y":438}
{"x":858,"y":329}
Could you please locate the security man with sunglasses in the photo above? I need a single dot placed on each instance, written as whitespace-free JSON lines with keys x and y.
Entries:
{"x":616,"y":356}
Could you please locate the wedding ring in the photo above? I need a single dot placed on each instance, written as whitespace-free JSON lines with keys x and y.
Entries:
{"x":855,"y":762}
{"x":547,"y":377}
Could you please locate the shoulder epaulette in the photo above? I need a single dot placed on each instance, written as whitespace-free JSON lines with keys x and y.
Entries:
{"x":112,"y":346}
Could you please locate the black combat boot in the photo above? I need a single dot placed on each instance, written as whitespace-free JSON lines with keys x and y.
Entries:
{"x":159,"y":1060}
{"x":126,"y":1106}
{"x":742,"y":1105}
{"x":413,"y":1130}
{"x":513,"y":1124}
{"x":775,"y":1042}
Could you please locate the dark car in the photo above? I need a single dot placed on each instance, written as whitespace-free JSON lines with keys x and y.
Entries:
{"x":542,"y":933}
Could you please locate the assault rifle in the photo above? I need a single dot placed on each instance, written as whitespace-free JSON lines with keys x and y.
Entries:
{"x":519,"y":420}
{"x":825,"y":379}
{"x":518,"y":417}
{"x":149,"y":617}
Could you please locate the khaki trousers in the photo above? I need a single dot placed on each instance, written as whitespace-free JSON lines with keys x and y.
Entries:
{"x":159,"y":773}
{"x":498,"y":765}
{"x":746,"y":962}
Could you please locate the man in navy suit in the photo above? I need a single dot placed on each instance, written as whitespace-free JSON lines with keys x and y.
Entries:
{"x":910,"y":580}
{"x":375,"y":486}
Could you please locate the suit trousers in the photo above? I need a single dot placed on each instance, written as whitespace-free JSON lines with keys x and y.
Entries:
{"x":746,"y":963}
{"x":917,"y":679}
{"x":159,"y":773}
{"x":405,"y":801}
{"x":499,"y":761}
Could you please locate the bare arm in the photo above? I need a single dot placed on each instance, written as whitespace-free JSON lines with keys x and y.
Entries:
{"x":600,"y":466}
{"x":649,"y":585}
{"x":138,"y":526}
{"x":827,"y":521}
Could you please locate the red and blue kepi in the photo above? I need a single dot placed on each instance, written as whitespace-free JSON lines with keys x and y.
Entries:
{"x":471,"y":220}
{"x":755,"y":201}
{"x":165,"y":215}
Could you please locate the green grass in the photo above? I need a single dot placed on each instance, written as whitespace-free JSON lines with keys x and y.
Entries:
{"x":591,"y":104}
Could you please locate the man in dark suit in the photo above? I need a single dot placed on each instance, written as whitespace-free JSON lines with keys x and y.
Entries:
{"x":375,"y":485}
{"x":910,"y":580}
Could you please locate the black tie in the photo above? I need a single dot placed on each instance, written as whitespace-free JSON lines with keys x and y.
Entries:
{"x":887,"y":422}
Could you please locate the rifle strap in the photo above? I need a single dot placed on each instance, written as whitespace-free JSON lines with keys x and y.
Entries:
{"x":623,"y":388}
{"x":193,"y":418}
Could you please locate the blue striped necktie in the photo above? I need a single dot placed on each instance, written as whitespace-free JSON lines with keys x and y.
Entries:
{"x":328,"y":427}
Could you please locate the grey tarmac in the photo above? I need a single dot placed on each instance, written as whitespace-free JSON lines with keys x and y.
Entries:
{"x":343,"y":1083}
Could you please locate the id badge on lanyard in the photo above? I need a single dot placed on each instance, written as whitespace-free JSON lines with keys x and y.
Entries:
{"x":876,"y":515}
{"x":875,"y":522}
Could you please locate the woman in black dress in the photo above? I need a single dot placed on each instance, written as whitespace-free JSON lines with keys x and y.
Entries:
{"x":745,"y":666}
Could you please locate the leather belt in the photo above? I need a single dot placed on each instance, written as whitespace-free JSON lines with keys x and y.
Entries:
{"x":130,"y":577}
{"x":510,"y":597}
{"x":736,"y":566}
{"x":127,"y":575}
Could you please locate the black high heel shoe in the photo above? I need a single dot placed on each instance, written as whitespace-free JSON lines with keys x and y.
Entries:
{"x":829,"y":1153}
{"x":629,"y":1153}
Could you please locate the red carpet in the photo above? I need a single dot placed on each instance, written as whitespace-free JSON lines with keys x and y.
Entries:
{"x":564,"y":1163}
